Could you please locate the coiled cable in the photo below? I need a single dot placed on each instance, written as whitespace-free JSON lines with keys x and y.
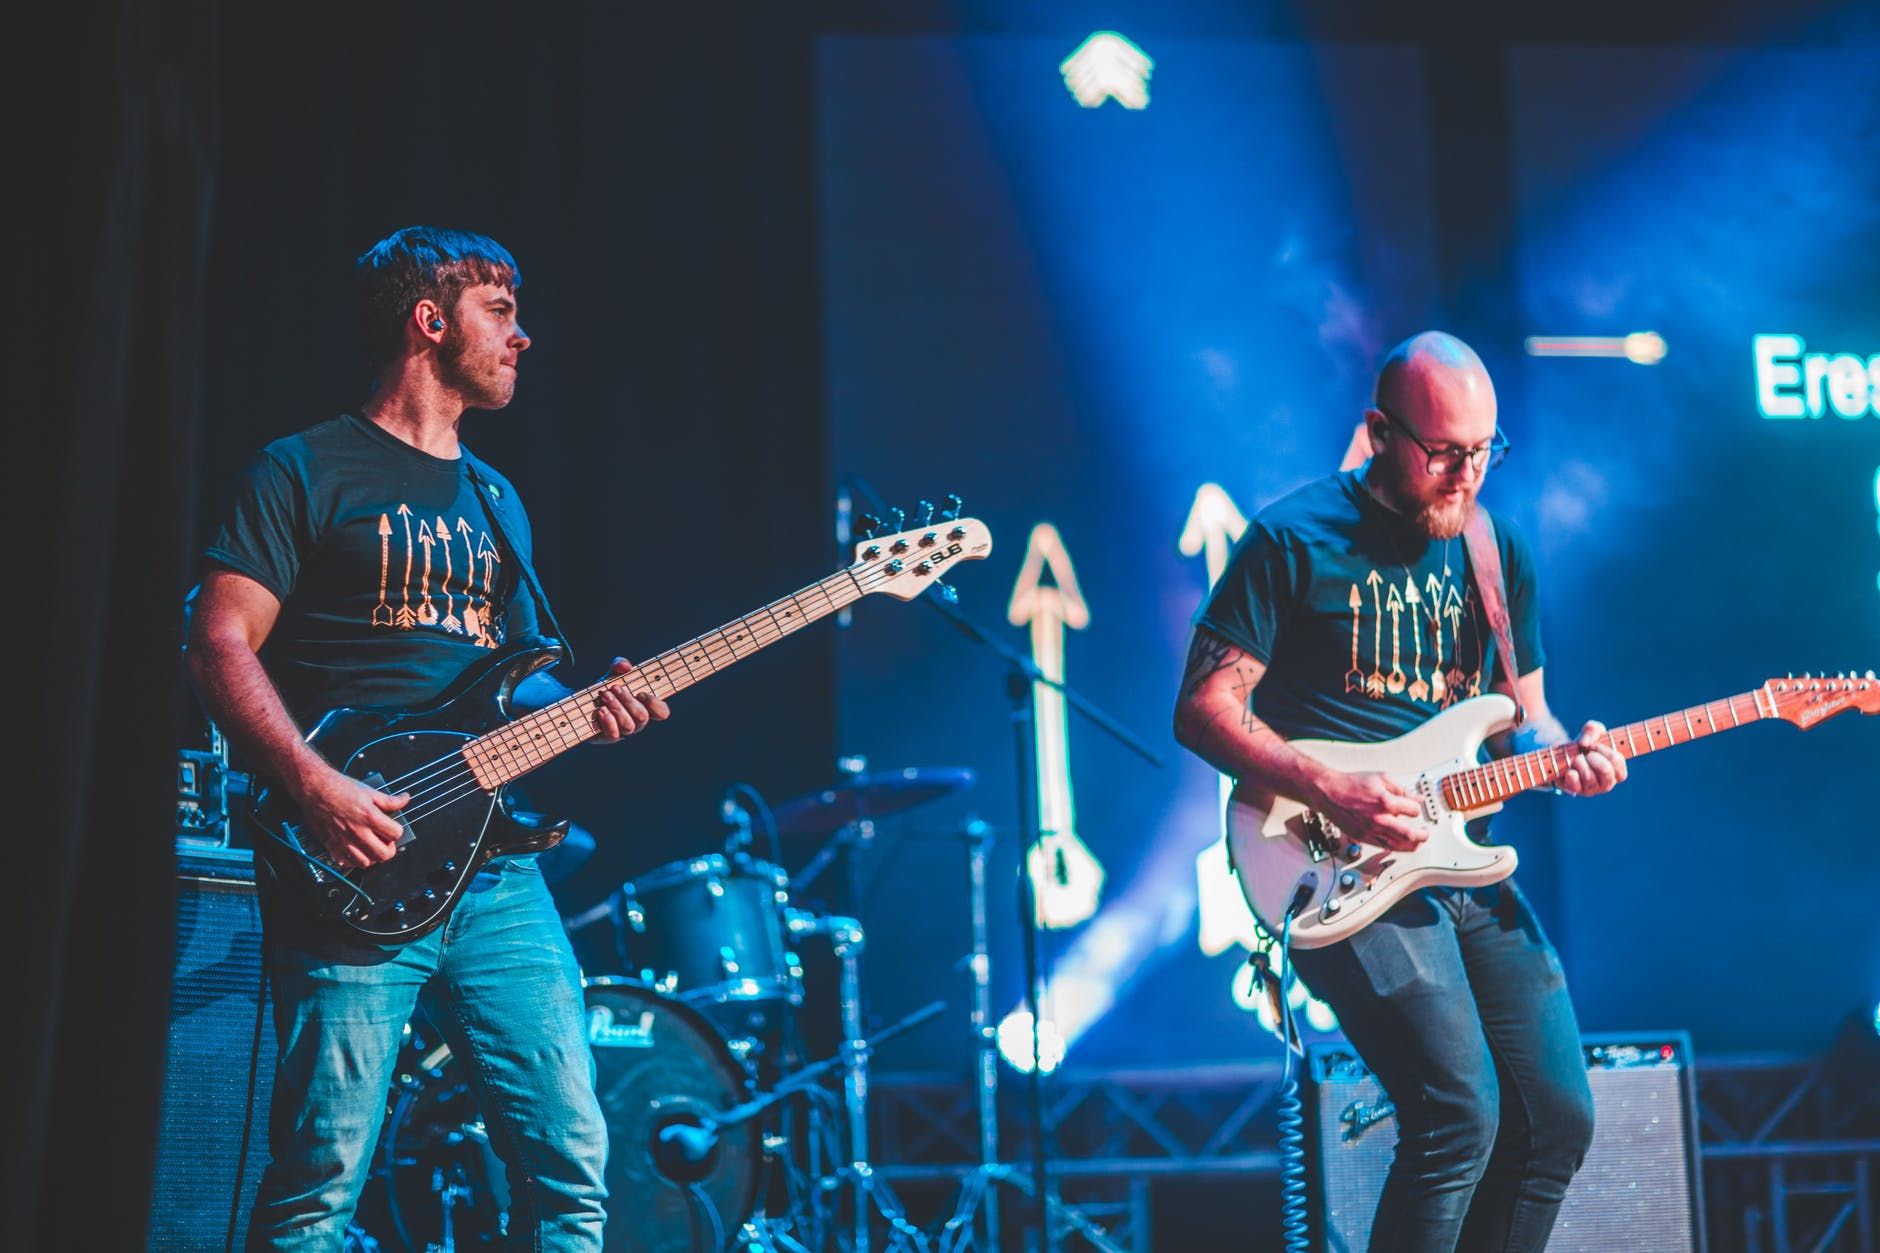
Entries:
{"x":1294,"y":1220}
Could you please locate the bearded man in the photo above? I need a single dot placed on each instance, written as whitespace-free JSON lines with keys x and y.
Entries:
{"x":1454,"y":997}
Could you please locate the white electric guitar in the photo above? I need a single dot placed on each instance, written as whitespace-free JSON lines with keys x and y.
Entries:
{"x":1291,"y":859}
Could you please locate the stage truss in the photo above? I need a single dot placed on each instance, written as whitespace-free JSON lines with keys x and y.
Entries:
{"x":1789,"y":1145}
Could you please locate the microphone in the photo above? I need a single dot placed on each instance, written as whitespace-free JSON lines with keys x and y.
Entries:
{"x":685,"y":1152}
{"x":737,"y":820}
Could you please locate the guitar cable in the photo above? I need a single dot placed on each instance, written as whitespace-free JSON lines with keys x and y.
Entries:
{"x":318,"y":866}
{"x":1290,"y":1114}
{"x":248,"y":1106}
{"x":1294,"y":1223}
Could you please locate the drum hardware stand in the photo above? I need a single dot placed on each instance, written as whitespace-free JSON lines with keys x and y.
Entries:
{"x":978,"y":1190}
{"x":449,"y":1191}
{"x":692,"y":1143}
{"x":979,"y":837}
{"x":843,"y":842}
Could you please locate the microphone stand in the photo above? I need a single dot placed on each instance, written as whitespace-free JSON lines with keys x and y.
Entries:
{"x":1020,"y":674}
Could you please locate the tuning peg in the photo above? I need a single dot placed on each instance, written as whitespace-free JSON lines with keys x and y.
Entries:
{"x":925,"y":510}
{"x":871,"y":526}
{"x":952,"y":511}
{"x":947,"y":593}
{"x":900,"y":518}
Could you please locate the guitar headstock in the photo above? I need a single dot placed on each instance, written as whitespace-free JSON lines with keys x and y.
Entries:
{"x":1811,"y":699}
{"x":906,"y":563}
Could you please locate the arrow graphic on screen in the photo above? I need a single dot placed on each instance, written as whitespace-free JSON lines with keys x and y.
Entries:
{"x":1066,"y":879}
{"x":1214,"y":524}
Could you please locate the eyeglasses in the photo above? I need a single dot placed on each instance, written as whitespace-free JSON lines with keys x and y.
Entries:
{"x":1451,"y":460}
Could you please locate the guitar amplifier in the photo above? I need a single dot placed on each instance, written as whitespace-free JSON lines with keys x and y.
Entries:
{"x":202,"y":1170}
{"x":1639,"y":1188}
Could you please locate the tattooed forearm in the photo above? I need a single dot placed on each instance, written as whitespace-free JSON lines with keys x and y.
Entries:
{"x":1208,"y":655}
{"x":1243,"y":688}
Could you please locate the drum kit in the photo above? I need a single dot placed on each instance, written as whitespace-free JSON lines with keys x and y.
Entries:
{"x":722,"y":1131}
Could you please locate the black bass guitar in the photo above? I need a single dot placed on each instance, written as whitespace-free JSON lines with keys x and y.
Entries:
{"x":456,"y":757}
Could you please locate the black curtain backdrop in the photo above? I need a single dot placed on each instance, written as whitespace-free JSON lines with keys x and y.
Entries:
{"x":209,"y":173}
{"x":121,"y":131}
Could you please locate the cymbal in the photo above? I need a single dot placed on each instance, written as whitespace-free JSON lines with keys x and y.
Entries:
{"x":865,"y":796}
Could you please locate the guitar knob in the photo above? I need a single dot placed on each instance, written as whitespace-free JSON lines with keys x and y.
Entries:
{"x":1348,"y":880}
{"x":1331,"y":907}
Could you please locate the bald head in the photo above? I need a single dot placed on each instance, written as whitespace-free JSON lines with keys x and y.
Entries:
{"x":1432,"y":374}
{"x":1433,"y":394}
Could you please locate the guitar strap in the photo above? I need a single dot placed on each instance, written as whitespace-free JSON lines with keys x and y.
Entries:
{"x":1485,"y":560}
{"x":490,"y":497}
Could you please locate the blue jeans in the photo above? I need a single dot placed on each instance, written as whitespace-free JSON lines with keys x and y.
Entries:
{"x":501,"y":982}
{"x":1457,"y":1003}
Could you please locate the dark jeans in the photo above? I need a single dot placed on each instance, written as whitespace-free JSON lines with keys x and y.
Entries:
{"x":1458,"y":1004}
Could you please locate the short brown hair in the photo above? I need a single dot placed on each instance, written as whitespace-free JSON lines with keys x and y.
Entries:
{"x":422,"y":263}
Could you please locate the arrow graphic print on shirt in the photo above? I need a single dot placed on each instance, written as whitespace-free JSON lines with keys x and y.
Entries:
{"x":439,"y":539}
{"x":1406,"y":623}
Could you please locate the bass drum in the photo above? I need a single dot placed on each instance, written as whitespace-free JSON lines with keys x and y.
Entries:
{"x":662,"y":1067}
{"x":443,"y":1185}
{"x":658,"y":1064}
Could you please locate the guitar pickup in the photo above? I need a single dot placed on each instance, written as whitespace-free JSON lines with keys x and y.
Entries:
{"x":406,"y":835}
{"x":1321,"y":838}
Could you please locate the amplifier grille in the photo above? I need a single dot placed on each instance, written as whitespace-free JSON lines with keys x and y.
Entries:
{"x":1638,"y":1188}
{"x":211,"y":1047}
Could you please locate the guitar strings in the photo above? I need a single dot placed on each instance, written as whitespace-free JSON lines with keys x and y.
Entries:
{"x":448,"y":779}
{"x":447,"y":771}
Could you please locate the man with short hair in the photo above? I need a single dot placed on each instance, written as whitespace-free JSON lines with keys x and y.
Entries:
{"x":372,"y":560}
{"x":1453,"y":997}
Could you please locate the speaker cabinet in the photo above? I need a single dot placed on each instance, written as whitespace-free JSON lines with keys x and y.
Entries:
{"x":202,"y":1170}
{"x":1639,"y":1187}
